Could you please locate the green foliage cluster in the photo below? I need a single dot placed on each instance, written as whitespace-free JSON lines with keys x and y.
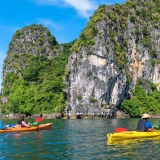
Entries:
{"x":79,"y":97}
{"x":153,"y":53}
{"x":92,"y":100}
{"x":87,"y":35}
{"x":144,"y":15}
{"x":89,"y":73}
{"x":142,"y":102}
{"x":40,"y":87}
{"x":41,"y":36}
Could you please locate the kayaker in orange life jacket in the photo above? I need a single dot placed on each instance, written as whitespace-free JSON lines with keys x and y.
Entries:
{"x":144,"y":125}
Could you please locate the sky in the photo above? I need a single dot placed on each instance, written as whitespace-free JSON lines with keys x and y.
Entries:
{"x":64,"y":18}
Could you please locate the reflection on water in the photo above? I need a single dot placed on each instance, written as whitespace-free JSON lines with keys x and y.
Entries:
{"x":77,"y":139}
{"x":135,"y":149}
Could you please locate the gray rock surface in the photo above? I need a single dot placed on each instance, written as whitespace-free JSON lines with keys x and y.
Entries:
{"x":96,"y":77}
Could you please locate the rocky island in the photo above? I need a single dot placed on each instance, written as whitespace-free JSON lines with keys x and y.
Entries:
{"x":111,"y":70}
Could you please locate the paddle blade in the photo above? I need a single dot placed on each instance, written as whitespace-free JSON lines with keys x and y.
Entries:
{"x":39,"y":119}
{"x":120,"y":129}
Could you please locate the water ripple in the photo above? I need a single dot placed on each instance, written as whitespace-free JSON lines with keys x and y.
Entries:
{"x":77,"y":139}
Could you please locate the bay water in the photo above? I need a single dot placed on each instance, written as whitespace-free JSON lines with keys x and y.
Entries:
{"x":78,"y":140}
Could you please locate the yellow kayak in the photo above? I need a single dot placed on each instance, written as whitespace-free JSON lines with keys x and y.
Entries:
{"x":131,"y":135}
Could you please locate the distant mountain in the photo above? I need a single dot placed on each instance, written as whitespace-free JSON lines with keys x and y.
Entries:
{"x":33,"y":72}
{"x":114,"y":64}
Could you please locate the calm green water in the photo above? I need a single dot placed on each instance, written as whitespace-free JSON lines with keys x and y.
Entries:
{"x":77,"y":139}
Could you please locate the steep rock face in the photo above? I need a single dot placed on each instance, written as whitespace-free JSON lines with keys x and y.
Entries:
{"x":31,"y":49}
{"x":30,"y":40}
{"x":124,"y":49}
{"x":96,"y":78}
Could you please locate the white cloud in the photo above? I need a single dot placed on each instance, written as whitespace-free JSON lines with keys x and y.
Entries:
{"x":83,"y":7}
{"x":49,"y":23}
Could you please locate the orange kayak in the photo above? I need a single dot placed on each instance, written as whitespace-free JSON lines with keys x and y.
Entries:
{"x":46,"y":126}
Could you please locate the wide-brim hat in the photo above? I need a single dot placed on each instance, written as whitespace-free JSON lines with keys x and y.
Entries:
{"x":145,"y":115}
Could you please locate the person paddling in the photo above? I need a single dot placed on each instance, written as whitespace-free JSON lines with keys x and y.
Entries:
{"x":144,"y":125}
{"x":24,"y":124}
{"x":21,"y":123}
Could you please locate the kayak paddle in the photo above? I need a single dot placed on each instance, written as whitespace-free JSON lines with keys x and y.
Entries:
{"x":120,"y":129}
{"x":39,"y":119}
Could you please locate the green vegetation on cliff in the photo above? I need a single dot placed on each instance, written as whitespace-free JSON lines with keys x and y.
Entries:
{"x":143,"y":15}
{"x":33,"y":39}
{"x":141,"y":101}
{"x":87,"y":35}
{"x":38,"y":86}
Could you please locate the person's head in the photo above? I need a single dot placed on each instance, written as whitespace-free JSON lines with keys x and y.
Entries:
{"x":19,"y":122}
{"x":41,"y":115}
{"x":145,"y":116}
{"x":22,"y":118}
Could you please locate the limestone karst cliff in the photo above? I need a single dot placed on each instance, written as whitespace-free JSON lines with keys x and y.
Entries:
{"x":33,"y":72}
{"x":120,"y":45}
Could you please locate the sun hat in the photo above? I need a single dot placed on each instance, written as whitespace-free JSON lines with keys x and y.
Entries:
{"x":145,"y":115}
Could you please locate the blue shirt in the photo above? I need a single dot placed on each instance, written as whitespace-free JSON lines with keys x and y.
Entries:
{"x":148,"y":125}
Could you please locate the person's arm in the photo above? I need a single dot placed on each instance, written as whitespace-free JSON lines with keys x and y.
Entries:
{"x":149,"y":127}
{"x":25,"y":124}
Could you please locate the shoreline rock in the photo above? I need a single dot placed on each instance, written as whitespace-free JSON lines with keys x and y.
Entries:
{"x":55,"y":116}
{"x":119,"y":114}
